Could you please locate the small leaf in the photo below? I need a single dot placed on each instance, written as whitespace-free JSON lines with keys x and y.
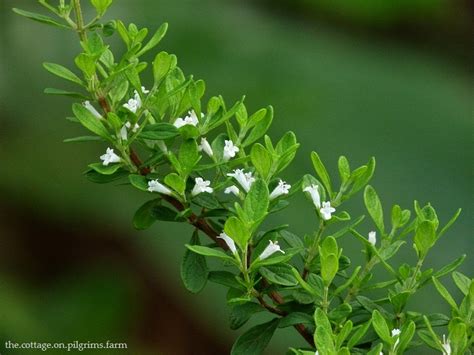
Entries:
{"x":322,"y":172}
{"x":240,"y":314}
{"x":155,"y":40}
{"x":257,"y":201}
{"x":39,"y":18}
{"x":358,"y":334}
{"x":279,"y":274}
{"x":381,"y":327}
{"x":296,"y":318}
{"x":139,"y":181}
{"x":159,"y":131}
{"x":344,"y":169}
{"x":161,"y":66}
{"x":444,"y":293}
{"x":76,"y":95}
{"x":210,"y":252}
{"x":143,"y":217}
{"x":260,"y":128}
{"x":255,"y":340}
{"x":194,"y":271}
{"x":101,"y":6}
{"x":62,"y":72}
{"x":89,"y":121}
{"x":237,"y":230}
{"x":373,"y":205}
{"x":261,"y":159}
{"x":462,"y":282}
{"x":425,"y":237}
{"x":105,"y":170}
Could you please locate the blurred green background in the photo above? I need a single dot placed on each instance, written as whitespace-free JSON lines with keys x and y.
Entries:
{"x":394,"y":82}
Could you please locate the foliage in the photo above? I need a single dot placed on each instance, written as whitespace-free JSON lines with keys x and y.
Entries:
{"x":307,"y":283}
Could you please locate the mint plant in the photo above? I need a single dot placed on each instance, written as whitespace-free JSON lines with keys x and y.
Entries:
{"x":211,"y":165}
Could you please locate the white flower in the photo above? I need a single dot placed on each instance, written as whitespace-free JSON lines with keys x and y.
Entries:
{"x":206,"y":147}
{"x":316,"y":353}
{"x":313,"y":190}
{"x":282,"y":189}
{"x":232,"y":190}
{"x":144,"y":90}
{"x":137,"y":98}
{"x":125,"y":127}
{"x":190,"y":119}
{"x":156,"y":186}
{"x":270,"y":249}
{"x":244,"y":179}
{"x":92,"y":109}
{"x":133,"y":104}
{"x":326,"y":210}
{"x":395,"y":333}
{"x":229,"y":241}
{"x":446,"y":346}
{"x":229,"y":150}
{"x":201,"y":186}
{"x":372,"y":237}
{"x":110,"y":157}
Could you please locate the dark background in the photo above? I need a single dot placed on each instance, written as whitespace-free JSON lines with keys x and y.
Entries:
{"x":391,"y":79}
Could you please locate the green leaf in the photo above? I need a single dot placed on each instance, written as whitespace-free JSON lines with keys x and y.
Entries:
{"x":82,"y":139}
{"x":62,"y":72}
{"x":97,"y":178}
{"x":39,"y":18}
{"x":344,"y":333}
{"x":161,"y":66}
{"x":89,"y":121}
{"x":450,"y":267}
{"x":279,"y":274}
{"x":174,"y":181}
{"x":155,"y":40}
{"x":225,"y":278}
{"x":344,"y":169}
{"x":237,"y":230}
{"x":340,"y":312}
{"x":143,"y":217}
{"x":86,"y":63}
{"x":159,"y":131}
{"x":323,"y":335}
{"x":329,"y":267}
{"x":358,"y":334}
{"x":322,"y":172}
{"x":76,"y":95}
{"x":406,"y":336}
{"x":373,"y":205}
{"x":210,"y":252}
{"x":260,"y":128}
{"x":381,"y":327}
{"x":188,"y":155}
{"x":425,"y":237}
{"x":139,"y":181}
{"x":194,"y":271}
{"x":262,"y":160}
{"x":163,"y":213}
{"x":256,"y":202}
{"x":296,"y":318}
{"x":462,"y":282}
{"x":444,"y":293}
{"x":255,"y":340}
{"x":240,"y":314}
{"x":450,"y":223}
{"x":105,"y":170}
{"x":101,"y":6}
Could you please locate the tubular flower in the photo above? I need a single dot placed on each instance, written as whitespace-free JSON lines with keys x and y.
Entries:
{"x":201,"y":186}
{"x":229,"y":150}
{"x":156,"y":186}
{"x":229,"y":241}
{"x":244,"y":179}
{"x":272,"y":247}
{"x":282,"y":189}
{"x":396,"y":333}
{"x":372,"y":237}
{"x":327,"y":210}
{"x":125,"y":128}
{"x":446,"y":346}
{"x":206,"y":147}
{"x":110,"y":157}
{"x":232,"y":190}
{"x":313,"y":191}
{"x":92,"y":109}
{"x":133,"y":104}
{"x":190,"y":119}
